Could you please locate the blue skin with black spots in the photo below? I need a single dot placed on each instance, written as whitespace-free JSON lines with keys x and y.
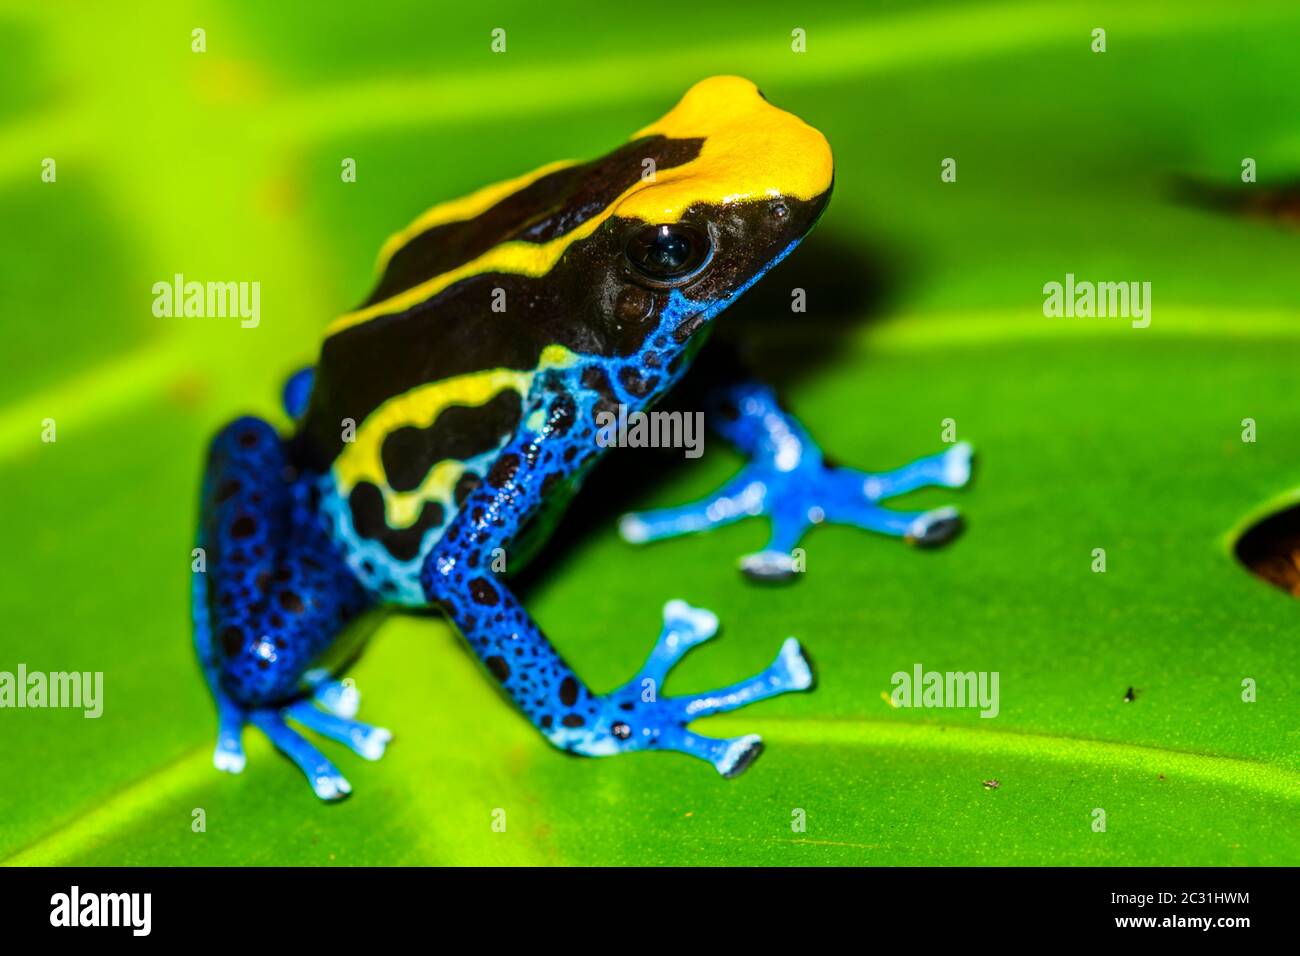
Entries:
{"x":284,"y":603}
{"x":504,"y":636}
{"x":271,"y":604}
{"x":279,"y":592}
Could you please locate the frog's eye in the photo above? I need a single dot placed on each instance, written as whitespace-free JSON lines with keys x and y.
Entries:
{"x":669,"y":254}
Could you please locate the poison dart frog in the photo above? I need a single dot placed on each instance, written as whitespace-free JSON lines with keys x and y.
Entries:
{"x":452,"y":416}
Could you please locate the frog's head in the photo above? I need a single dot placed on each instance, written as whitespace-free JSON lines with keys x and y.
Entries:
{"x":628,"y":254}
{"x":756,"y":181}
{"x":702,"y":201}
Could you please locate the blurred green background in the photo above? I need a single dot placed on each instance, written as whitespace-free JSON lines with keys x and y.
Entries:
{"x":925,"y":303}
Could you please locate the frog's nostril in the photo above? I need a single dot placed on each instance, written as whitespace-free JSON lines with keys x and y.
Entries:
{"x":1270,"y":548}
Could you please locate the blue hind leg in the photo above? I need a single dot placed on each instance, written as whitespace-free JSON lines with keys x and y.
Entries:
{"x":229,"y":752}
{"x":273,"y":597}
{"x":789,"y":480}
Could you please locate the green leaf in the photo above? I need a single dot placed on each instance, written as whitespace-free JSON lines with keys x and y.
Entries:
{"x":925,"y":303}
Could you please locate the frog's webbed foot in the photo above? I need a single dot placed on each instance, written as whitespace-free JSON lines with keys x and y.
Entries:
{"x":339,"y":701}
{"x":637,"y":717}
{"x":788,"y":480}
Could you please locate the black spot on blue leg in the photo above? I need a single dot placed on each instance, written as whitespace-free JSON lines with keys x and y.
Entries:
{"x":482,"y":591}
{"x":568,"y":691}
{"x":503,"y":470}
{"x":498,"y":667}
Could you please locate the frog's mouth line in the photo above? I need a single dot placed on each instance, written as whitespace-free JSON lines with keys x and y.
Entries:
{"x":689,"y":326}
{"x":707,"y":311}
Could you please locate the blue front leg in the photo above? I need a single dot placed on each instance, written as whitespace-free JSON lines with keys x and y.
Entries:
{"x":636,"y":716}
{"x":788,"y":480}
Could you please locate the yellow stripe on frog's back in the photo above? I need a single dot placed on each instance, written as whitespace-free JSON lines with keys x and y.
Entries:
{"x":514,"y":257}
{"x":361,"y":460}
{"x":751,"y":150}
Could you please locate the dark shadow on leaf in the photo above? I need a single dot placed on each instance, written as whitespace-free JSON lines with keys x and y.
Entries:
{"x":1278,"y":205}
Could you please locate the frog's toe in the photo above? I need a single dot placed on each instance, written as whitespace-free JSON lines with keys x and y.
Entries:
{"x":957,"y":465}
{"x":684,"y":627}
{"x":229,"y":758}
{"x":633,"y":529}
{"x":739,"y":754}
{"x":768,"y":565}
{"x":325,"y":778}
{"x":730,"y":756}
{"x":229,"y":752}
{"x":934,"y":528}
{"x":373,"y":742}
{"x":790,"y":672}
{"x":739,"y":498}
{"x":331,"y":786}
{"x":366,"y":741}
{"x":688,"y":624}
{"x":637,"y":718}
{"x":340,"y":698}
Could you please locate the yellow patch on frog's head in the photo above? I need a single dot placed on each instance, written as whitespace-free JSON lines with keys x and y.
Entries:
{"x":751,"y":151}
